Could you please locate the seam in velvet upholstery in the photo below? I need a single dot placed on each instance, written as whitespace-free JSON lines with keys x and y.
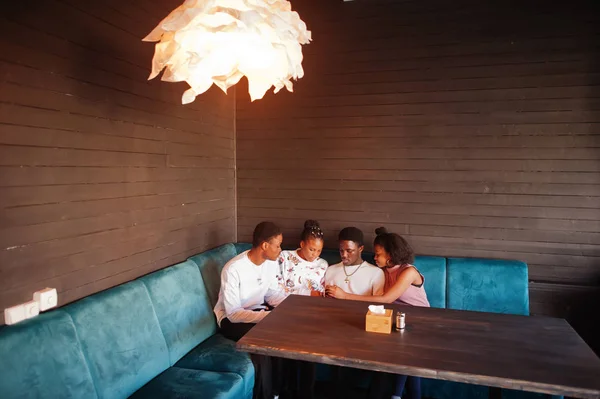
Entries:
{"x":87,"y":361}
{"x":446,"y":284}
{"x":206,"y":298}
{"x":157,"y":320}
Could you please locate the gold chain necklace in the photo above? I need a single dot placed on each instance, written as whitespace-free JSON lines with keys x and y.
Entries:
{"x":347,"y":279}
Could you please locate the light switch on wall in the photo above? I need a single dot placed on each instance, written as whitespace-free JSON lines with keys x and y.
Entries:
{"x":15,"y":314}
{"x":21,"y":312}
{"x":47,"y":298}
{"x":32,"y":309}
{"x":42,"y":300}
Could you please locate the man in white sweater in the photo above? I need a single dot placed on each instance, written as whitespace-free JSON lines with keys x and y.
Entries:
{"x":353,"y":274}
{"x":249,"y":287}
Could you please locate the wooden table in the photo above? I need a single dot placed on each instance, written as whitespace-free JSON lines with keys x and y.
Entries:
{"x":534,"y":353}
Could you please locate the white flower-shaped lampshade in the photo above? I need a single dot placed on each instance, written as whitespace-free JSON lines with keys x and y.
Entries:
{"x":218,"y":41}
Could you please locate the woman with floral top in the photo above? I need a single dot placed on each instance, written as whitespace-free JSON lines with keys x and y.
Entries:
{"x":302,"y":272}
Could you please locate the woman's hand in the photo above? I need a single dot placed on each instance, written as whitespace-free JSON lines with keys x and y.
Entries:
{"x":335,"y":292}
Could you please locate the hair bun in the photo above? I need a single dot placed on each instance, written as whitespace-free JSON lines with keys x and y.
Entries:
{"x":311,"y":224}
{"x":380,"y":230}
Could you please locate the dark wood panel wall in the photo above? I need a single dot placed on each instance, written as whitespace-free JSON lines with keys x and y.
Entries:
{"x":471,"y":128}
{"x":103,"y":176}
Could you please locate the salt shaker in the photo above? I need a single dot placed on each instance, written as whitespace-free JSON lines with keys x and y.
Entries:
{"x":400,"y":321}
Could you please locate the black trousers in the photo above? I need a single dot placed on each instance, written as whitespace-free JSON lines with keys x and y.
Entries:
{"x":235,"y":331}
{"x":383,"y":385}
{"x":275,"y":376}
{"x":299,"y":379}
{"x":269,"y":371}
{"x":339,"y":387}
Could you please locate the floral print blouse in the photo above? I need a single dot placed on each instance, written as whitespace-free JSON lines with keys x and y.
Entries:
{"x":300,"y":277}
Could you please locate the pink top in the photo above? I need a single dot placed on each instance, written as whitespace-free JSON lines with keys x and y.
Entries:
{"x":414,"y":295}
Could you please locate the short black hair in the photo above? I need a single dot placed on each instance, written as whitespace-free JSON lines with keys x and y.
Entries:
{"x":312,"y":228}
{"x":352,"y":234}
{"x":395,"y":245}
{"x":263,"y":232}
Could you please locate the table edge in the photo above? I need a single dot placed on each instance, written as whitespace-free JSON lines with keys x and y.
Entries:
{"x":498,"y":382}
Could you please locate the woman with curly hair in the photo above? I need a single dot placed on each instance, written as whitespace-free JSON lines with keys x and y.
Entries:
{"x":404,"y":284}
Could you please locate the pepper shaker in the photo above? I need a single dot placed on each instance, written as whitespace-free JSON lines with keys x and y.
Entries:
{"x":400,"y":321}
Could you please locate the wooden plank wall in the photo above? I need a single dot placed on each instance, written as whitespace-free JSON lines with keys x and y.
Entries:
{"x":471,"y":128}
{"x":103,"y":176}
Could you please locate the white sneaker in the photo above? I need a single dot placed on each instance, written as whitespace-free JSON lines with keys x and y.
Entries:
{"x":396,"y":397}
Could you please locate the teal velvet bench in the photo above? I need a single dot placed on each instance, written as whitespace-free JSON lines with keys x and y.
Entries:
{"x":156,"y":337}
{"x":484,"y":285}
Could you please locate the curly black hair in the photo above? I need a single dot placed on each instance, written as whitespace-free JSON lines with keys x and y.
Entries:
{"x":395,"y":245}
{"x":312,"y":229}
